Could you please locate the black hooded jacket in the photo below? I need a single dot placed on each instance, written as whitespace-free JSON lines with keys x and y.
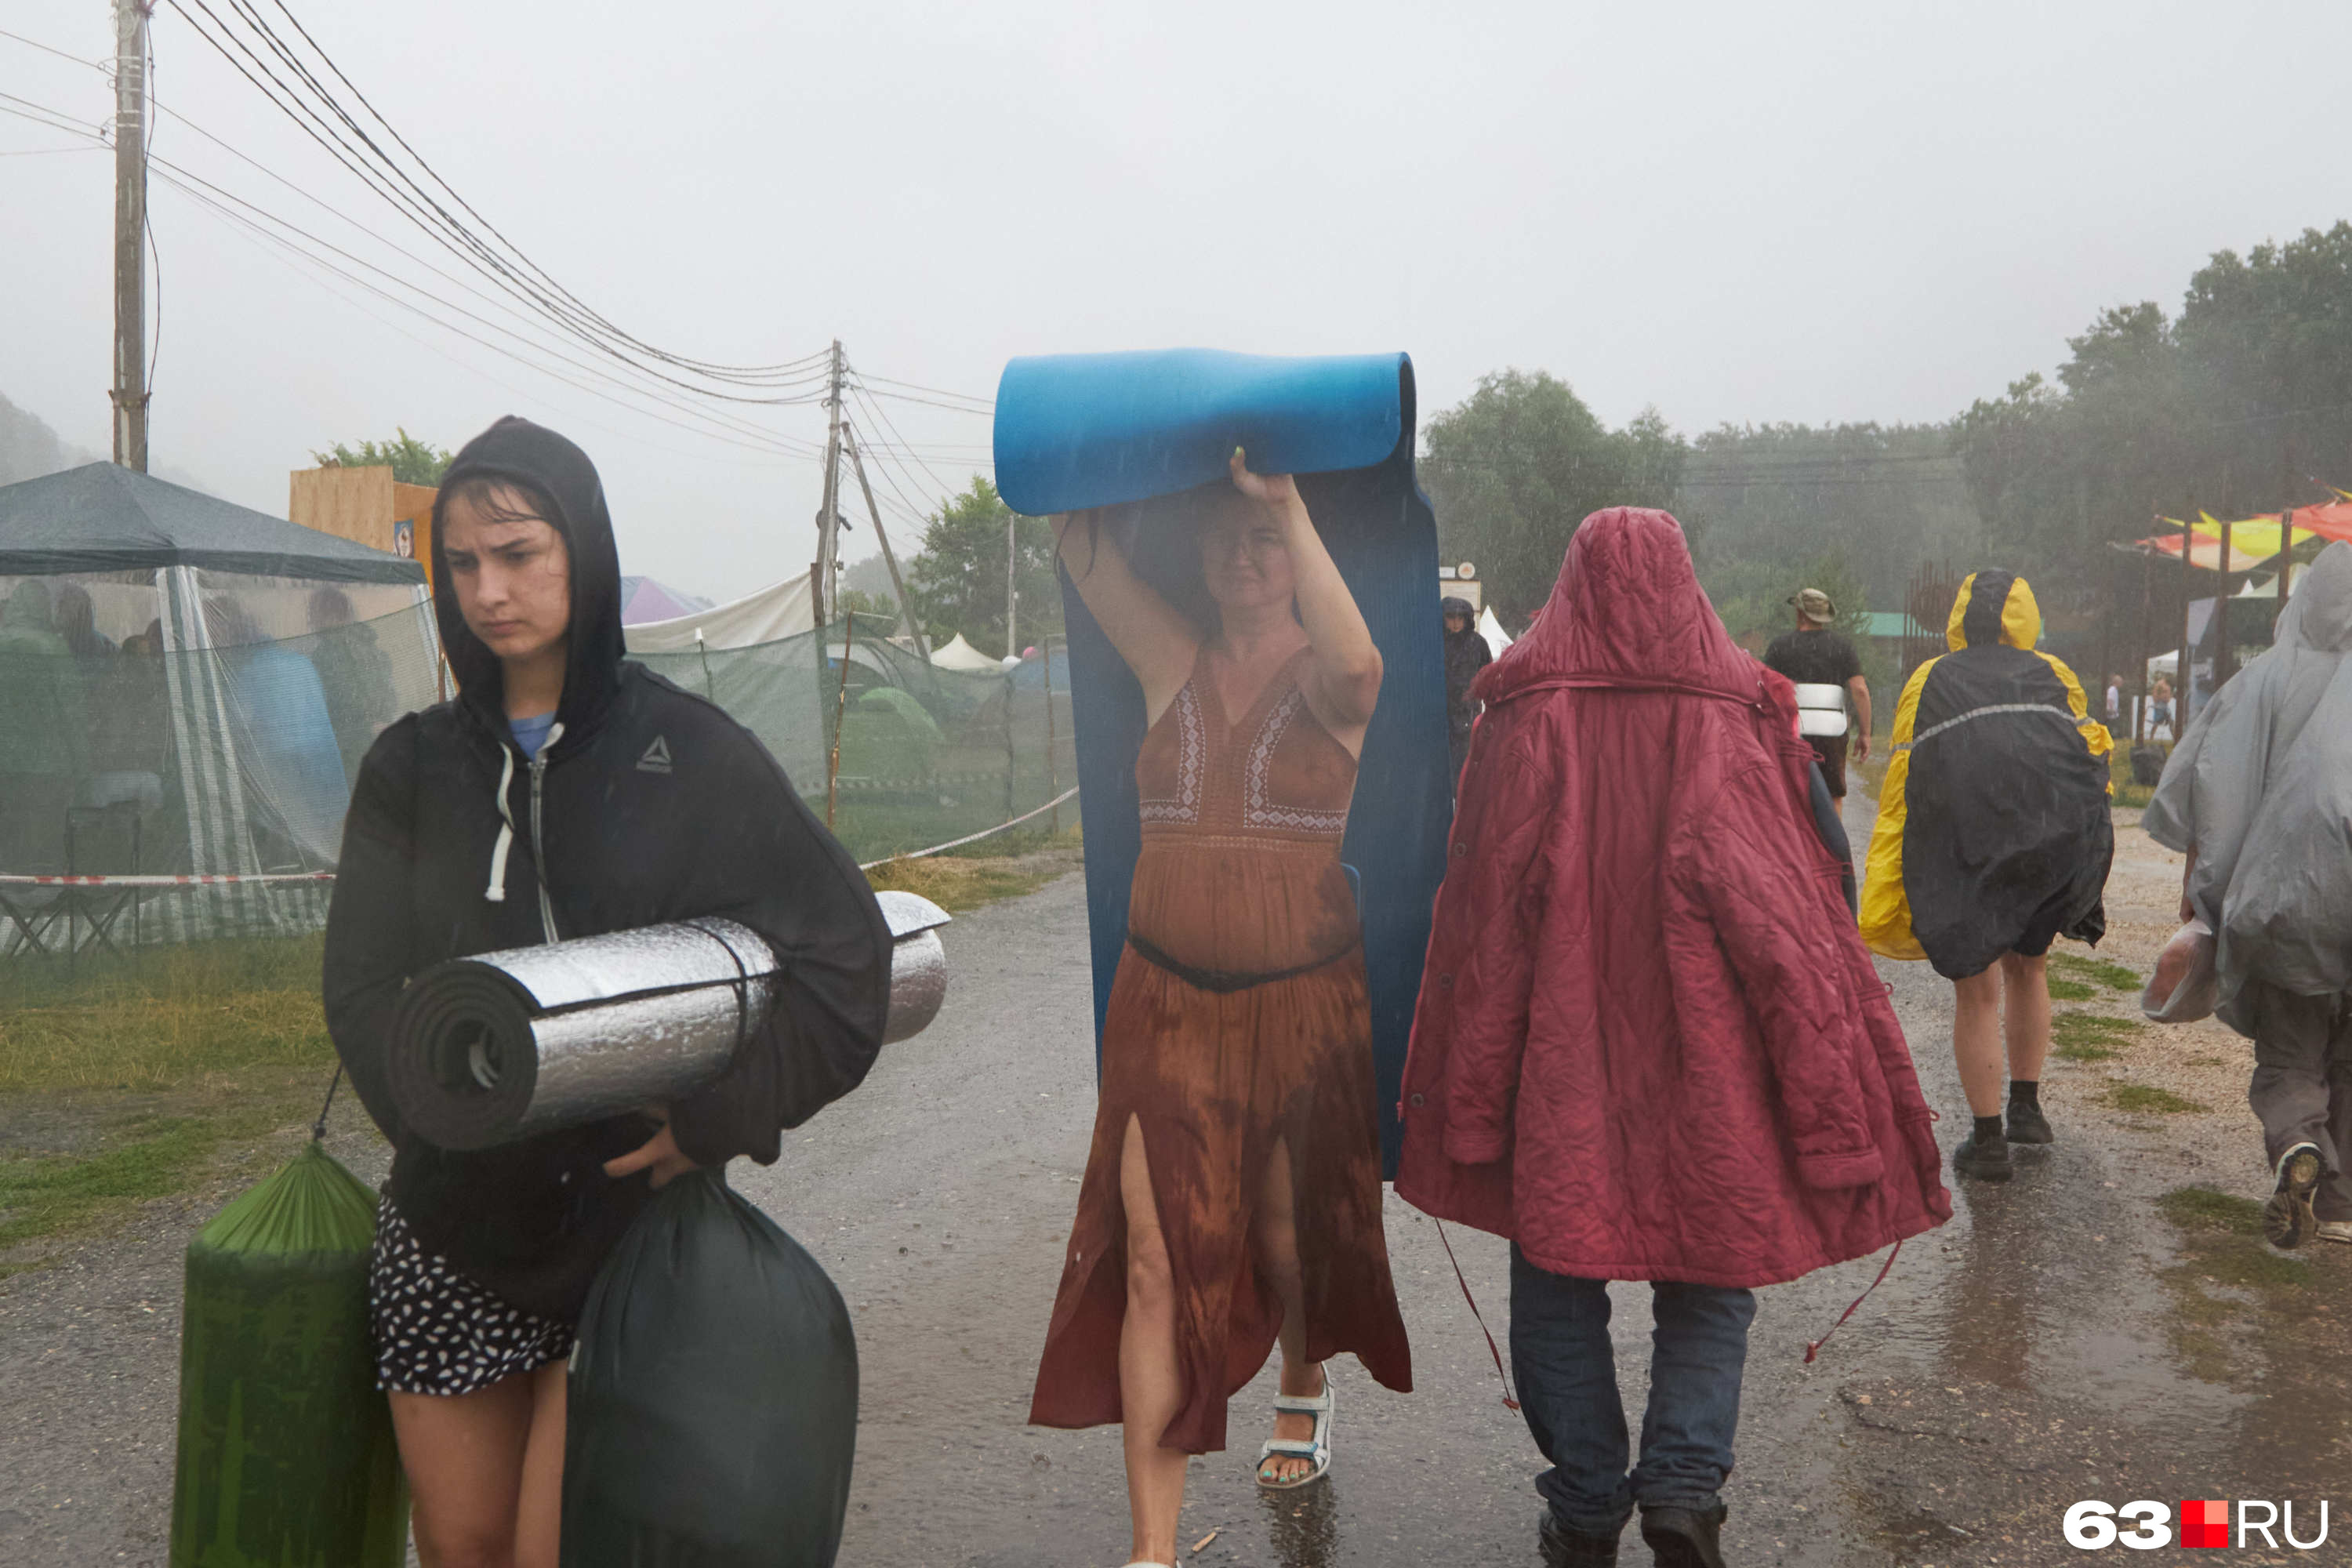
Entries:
{"x":1465,"y":655}
{"x":646,"y":803}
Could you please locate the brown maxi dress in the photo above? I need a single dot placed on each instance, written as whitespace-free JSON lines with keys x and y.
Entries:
{"x":1245,"y":1029}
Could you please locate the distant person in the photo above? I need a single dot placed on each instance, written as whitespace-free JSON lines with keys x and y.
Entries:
{"x":287,"y":736}
{"x":2256,"y":796}
{"x":44,"y":731}
{"x":1466,"y":653}
{"x":1993,"y":839}
{"x":77,"y":622}
{"x":2159,"y":708}
{"x":355,"y":673}
{"x":1649,"y":1044}
{"x":131,"y":729}
{"x":1812,"y":655}
{"x":2115,"y":706}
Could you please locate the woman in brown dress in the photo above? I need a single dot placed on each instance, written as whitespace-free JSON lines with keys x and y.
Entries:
{"x":1233,"y":1196}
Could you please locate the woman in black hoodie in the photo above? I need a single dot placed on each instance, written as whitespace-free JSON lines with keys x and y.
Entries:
{"x":565,"y":792}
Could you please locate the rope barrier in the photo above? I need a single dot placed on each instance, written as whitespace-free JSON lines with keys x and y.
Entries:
{"x":973,"y":837}
{"x":61,"y":880}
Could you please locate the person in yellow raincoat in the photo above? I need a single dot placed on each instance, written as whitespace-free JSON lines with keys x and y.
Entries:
{"x":1993,"y":839}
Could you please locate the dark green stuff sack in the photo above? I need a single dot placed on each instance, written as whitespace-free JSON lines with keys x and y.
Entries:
{"x":713,"y":1412}
{"x":285,"y":1449}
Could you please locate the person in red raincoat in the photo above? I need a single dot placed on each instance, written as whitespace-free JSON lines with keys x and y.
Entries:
{"x":1650,"y":1044}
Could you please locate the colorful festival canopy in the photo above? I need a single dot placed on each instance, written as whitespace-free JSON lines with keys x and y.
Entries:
{"x":2252,"y":539}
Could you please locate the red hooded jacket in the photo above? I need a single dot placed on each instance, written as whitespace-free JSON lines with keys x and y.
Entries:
{"x":1650,"y":1044}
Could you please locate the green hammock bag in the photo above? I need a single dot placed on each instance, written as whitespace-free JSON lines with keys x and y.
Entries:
{"x":286,"y":1452}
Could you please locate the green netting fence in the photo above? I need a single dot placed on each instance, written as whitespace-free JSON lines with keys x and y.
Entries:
{"x":927,"y":754}
{"x":189,"y":737}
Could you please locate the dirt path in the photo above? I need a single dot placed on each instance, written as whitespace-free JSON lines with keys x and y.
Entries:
{"x":2062,"y":1338}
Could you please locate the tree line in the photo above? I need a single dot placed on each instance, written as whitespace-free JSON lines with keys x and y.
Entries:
{"x":2240,"y":401}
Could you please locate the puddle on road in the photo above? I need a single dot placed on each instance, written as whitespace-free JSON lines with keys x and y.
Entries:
{"x":1302,"y":1526}
{"x":2053,"y":1291}
{"x":2081,"y":1342}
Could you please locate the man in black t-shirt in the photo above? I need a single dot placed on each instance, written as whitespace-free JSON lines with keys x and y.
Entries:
{"x":1812,"y":655}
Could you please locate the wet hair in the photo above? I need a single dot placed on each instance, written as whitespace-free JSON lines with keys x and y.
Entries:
{"x":489,"y":496}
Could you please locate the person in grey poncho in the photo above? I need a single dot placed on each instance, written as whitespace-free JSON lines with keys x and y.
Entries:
{"x":2259,"y":795}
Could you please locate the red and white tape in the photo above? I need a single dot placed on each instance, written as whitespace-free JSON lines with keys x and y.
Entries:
{"x":111,"y":881}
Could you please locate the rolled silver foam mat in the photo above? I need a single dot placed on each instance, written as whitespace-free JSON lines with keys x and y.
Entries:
{"x":502,"y":1046}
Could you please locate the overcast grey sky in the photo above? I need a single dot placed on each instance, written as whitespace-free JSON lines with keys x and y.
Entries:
{"x":1811,"y":212}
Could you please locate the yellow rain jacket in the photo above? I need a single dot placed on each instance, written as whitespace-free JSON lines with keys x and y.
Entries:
{"x":1993,"y":831}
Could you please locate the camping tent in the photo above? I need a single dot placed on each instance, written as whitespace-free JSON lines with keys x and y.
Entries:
{"x":194,"y":682}
{"x":960,"y":655}
{"x":776,"y":612}
{"x":1498,"y":639}
{"x":645,"y":600}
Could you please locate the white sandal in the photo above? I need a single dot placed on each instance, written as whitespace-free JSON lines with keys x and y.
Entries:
{"x":1316,"y":1449}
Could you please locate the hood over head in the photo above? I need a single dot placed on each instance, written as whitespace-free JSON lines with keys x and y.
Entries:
{"x":2319,"y":603}
{"x":1627,"y":611}
{"x":1994,"y":606}
{"x":28,"y":608}
{"x":1450,"y":606}
{"x":516,"y":449}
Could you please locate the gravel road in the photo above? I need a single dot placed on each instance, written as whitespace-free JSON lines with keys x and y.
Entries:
{"x":2033,"y":1352}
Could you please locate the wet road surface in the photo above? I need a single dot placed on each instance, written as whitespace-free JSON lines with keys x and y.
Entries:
{"x":2054,"y":1343}
{"x":2060,"y":1339}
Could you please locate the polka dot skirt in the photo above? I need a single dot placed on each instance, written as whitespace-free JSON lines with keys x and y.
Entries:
{"x":437,"y":1331}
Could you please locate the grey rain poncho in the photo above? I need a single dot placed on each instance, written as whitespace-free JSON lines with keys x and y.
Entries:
{"x":2261,"y":784}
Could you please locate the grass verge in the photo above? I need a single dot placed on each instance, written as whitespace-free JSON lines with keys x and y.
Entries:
{"x":2070,"y":991}
{"x":961,"y":880}
{"x":2090,"y":1036}
{"x":141,"y":1079}
{"x":144,"y":1079}
{"x":2076,"y":967}
{"x":2222,"y":1248}
{"x":2146,"y":1099}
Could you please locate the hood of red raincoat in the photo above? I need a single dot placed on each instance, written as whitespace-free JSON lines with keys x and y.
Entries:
{"x":1627,"y":611}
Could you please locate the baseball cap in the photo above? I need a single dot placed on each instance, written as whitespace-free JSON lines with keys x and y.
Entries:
{"x":1815,"y":605}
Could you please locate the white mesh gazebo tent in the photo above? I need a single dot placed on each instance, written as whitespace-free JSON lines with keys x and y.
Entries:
{"x":188,"y":684}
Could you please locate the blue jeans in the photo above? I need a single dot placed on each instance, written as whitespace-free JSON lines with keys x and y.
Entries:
{"x":1567,"y":1373}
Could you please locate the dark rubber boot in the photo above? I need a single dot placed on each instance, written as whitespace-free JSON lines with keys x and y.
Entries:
{"x":1684,"y":1537}
{"x":2287,"y":1219}
{"x":1566,"y":1547}
{"x":2028,"y":1125}
{"x":1986,"y":1159}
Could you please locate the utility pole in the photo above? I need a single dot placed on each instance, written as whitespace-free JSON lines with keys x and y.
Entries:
{"x":907,"y":622}
{"x":130,"y":390}
{"x":1012,"y":521}
{"x":828,"y":521}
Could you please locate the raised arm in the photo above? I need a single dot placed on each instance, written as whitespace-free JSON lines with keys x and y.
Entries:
{"x":1156,"y":642}
{"x":1344,"y":669}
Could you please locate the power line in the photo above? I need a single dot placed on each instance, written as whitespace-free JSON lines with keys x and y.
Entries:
{"x":729,"y":431}
{"x":311,"y":105}
{"x":958,"y":402}
{"x":706,"y":366}
{"x":857,"y":389}
{"x":47,"y":49}
{"x":55,"y":119}
{"x":495,"y":301}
